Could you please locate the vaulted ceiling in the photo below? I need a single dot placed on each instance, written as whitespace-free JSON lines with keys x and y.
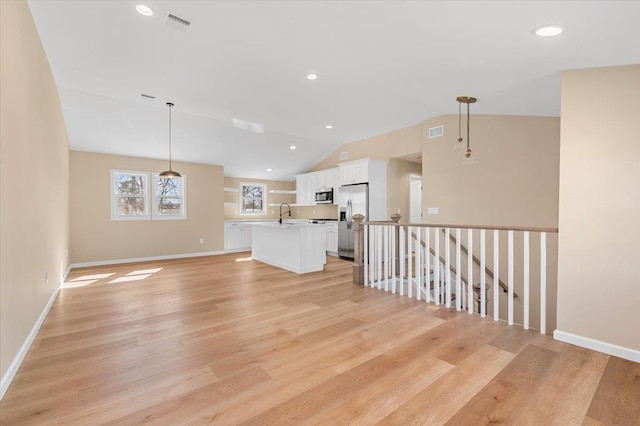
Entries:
{"x":381,"y":65}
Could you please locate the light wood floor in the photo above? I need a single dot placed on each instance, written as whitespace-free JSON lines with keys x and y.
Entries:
{"x":216,"y":340}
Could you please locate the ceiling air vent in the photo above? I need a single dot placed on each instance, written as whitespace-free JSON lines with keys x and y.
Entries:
{"x":147,"y":97}
{"x":177,"y":22}
{"x":436,"y":132}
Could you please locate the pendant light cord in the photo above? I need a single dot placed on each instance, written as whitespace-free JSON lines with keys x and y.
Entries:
{"x":468,"y":119}
{"x":459,"y":121}
{"x":170,"y":169}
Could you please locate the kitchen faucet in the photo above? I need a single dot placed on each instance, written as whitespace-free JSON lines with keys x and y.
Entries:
{"x":288,"y":211}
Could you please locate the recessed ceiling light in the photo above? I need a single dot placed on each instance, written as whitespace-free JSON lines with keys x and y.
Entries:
{"x":144,"y":10}
{"x":268,"y":170}
{"x":549,"y":30}
{"x":312,"y":77}
{"x":292,"y":147}
{"x":328,"y":126}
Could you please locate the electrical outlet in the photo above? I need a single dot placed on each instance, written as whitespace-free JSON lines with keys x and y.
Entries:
{"x":46,"y":277}
{"x":201,"y":240}
{"x":313,"y":211}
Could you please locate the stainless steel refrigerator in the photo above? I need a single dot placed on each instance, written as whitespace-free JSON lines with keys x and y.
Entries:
{"x":352,"y":199}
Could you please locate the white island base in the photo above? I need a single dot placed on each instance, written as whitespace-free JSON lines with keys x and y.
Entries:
{"x":298,"y":248}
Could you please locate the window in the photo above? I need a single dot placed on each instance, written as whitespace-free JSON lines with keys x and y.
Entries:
{"x":129,"y":195}
{"x":169,"y":198}
{"x":253,"y":198}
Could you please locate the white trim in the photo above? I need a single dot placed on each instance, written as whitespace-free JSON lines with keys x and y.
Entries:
{"x":8,"y":376}
{"x":597,"y":345}
{"x":231,"y":190}
{"x":144,"y":259}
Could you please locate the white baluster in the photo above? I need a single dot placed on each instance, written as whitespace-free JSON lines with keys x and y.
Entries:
{"x":393,"y":258}
{"x":417,"y":263}
{"x":409,"y":255}
{"x":372,"y":255}
{"x":436,"y":266}
{"x":401,"y":247}
{"x":458,"y":279}
{"x":365,"y":239}
{"x":385,"y":232}
{"x":525,"y":323}
{"x":379,"y":241}
{"x":496,"y":275}
{"x":510,"y":280}
{"x":470,"y":271}
{"x":447,"y":249}
{"x":427,"y":261}
{"x":543,"y":283}
{"x":483,"y":274}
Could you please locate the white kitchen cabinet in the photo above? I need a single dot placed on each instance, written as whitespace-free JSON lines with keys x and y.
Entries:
{"x":237,"y":236}
{"x":354,"y":172}
{"x":332,"y":238}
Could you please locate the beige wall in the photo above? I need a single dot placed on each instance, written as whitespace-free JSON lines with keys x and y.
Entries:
{"x":34,"y":161}
{"x":398,"y":173}
{"x":599,"y":248}
{"x":513,"y":182}
{"x":95,"y":237}
{"x":397,"y":143}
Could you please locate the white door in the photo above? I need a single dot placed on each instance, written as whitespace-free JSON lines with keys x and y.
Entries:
{"x":415,"y":199}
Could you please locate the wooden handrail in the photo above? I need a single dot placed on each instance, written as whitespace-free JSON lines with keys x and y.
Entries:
{"x":488,"y":227}
{"x":488,"y":271}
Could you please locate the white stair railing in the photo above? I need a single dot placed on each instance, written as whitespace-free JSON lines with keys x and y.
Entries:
{"x":407,"y":259}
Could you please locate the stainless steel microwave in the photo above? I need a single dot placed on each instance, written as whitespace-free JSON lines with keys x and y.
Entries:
{"x":324,"y":196}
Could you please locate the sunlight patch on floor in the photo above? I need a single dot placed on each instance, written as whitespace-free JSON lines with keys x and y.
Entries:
{"x":144,"y":271}
{"x":129,"y":278}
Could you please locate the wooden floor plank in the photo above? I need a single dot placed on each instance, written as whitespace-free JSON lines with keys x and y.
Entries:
{"x":211,"y":340}
{"x":617,"y":399}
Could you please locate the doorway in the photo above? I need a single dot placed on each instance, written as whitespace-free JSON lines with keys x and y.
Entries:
{"x":415,"y":199}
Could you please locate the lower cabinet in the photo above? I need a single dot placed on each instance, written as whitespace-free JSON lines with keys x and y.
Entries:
{"x":237,"y":236}
{"x":332,"y":239}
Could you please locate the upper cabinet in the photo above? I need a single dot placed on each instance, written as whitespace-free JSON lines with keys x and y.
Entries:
{"x":308,"y":184}
{"x":354,"y":172}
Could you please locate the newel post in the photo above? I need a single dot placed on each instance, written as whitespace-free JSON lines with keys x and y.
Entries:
{"x":395,"y":218}
{"x":358,"y":249}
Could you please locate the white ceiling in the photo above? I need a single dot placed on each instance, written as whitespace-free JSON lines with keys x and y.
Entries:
{"x":382,"y":65}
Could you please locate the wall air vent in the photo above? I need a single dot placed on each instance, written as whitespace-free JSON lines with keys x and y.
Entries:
{"x":436,"y":132}
{"x":344,"y":156}
{"x":177,"y":22}
{"x":147,"y":97}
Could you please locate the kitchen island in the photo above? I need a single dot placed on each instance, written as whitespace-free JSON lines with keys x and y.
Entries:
{"x":296,"y":247}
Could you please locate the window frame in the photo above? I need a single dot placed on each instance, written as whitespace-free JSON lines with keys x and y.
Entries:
{"x":114,"y":196}
{"x":265,"y":205}
{"x":154,"y":201}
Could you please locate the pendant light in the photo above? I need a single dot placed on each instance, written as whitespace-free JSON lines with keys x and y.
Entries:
{"x":170,"y":174}
{"x":465,"y":100}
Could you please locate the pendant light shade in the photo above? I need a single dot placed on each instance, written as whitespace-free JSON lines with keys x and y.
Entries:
{"x":170,"y":174}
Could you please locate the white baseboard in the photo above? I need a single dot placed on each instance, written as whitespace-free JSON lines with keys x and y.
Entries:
{"x":143,"y":259}
{"x":597,"y":345}
{"x":8,"y":376}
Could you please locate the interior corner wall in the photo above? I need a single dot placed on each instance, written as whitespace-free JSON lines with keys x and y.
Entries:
{"x":96,"y":238}
{"x":34,"y":180}
{"x":398,"y":176}
{"x":599,"y":241}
